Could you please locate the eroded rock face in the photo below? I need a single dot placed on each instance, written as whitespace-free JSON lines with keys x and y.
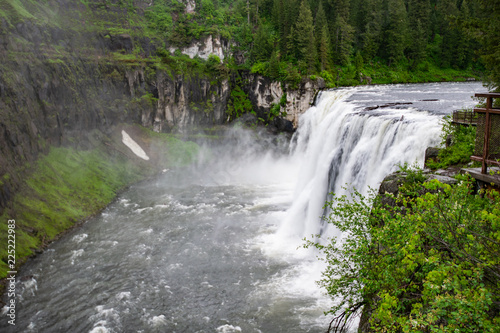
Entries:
{"x":186,"y":102}
{"x":204,"y":47}
{"x":301,"y":99}
{"x":263,"y":93}
{"x":190,"y":6}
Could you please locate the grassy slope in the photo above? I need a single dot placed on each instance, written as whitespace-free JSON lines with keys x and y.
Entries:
{"x":69,"y":185}
{"x":383,"y":74}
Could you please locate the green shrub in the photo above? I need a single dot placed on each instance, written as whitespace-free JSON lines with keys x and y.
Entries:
{"x":238,"y":103}
{"x":461,"y":148}
{"x":428,"y":264}
{"x":261,"y":68}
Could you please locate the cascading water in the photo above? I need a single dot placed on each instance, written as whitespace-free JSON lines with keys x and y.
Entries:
{"x":214,"y":248}
{"x":345,"y":147}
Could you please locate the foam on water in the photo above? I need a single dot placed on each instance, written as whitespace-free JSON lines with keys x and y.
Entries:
{"x":158,"y":321}
{"x":228,"y":329}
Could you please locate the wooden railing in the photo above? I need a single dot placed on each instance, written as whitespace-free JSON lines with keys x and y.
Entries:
{"x":488,"y":133}
{"x":464,"y":117}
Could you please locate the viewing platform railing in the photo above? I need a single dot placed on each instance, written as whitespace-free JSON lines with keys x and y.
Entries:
{"x":487,"y":148}
{"x":464,"y":118}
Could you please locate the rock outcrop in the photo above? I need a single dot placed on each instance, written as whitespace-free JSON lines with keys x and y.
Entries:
{"x":300,"y":99}
{"x":205,"y":47}
{"x":187,"y":102}
{"x":264,"y":93}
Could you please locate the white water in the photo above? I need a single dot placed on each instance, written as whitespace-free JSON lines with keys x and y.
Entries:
{"x":215,"y":248}
{"x":343,"y":147}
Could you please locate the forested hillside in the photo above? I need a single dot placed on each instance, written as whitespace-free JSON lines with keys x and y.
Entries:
{"x":344,"y":41}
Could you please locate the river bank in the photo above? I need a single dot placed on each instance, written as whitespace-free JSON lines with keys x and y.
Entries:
{"x":75,"y":182}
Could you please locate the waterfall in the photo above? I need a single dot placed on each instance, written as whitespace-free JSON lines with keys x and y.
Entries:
{"x":343,"y":146}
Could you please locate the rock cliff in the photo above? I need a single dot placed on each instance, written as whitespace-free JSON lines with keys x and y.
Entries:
{"x":264,"y":93}
{"x":63,"y":75}
{"x":71,"y":81}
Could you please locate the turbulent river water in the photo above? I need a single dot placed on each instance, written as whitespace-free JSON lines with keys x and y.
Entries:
{"x":216,"y":247}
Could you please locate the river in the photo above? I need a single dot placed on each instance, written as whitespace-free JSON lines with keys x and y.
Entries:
{"x":215,"y":247}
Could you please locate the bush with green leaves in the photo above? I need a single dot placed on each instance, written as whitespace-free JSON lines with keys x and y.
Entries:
{"x":461,"y":148}
{"x":238,"y":104}
{"x":430,"y":263}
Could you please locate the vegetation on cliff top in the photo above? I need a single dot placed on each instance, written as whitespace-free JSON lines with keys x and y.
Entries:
{"x":345,"y":42}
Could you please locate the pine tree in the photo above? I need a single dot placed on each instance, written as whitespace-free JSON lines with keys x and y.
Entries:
{"x":279,"y":24}
{"x":488,"y":26}
{"x":285,"y":14}
{"x":445,"y":9}
{"x":263,"y":46}
{"x":463,"y":52}
{"x":274,"y":69}
{"x":372,"y":30}
{"x":304,"y":36}
{"x":320,"y":19}
{"x":341,"y":8}
{"x":395,"y":31}
{"x":358,"y":64}
{"x":324,"y":49}
{"x":343,"y":32}
{"x":344,"y":36}
{"x":418,"y":21}
{"x":322,"y":37}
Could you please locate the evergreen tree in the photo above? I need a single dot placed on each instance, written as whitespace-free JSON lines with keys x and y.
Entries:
{"x":320,"y":19}
{"x":304,"y":36}
{"x":322,"y":37}
{"x":418,"y":45}
{"x":263,"y":46}
{"x":341,"y":8}
{"x":279,"y":23}
{"x":463,"y":52}
{"x":418,"y":20}
{"x":343,"y":32}
{"x":487,"y":28}
{"x":395,"y":31}
{"x":344,"y":36}
{"x":274,"y":69}
{"x":371,"y":35}
{"x":445,"y":9}
{"x":358,"y":64}
{"x":324,"y":49}
{"x":284,"y":14}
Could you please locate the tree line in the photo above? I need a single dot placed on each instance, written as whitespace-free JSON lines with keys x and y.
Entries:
{"x":324,"y":34}
{"x":326,"y":37}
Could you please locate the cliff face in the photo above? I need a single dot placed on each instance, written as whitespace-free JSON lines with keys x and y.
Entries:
{"x":58,"y":83}
{"x":184,"y":103}
{"x":206,"y":46}
{"x":263,"y":93}
{"x":63,"y":76}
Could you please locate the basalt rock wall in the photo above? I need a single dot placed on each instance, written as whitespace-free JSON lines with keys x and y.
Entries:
{"x":63,"y":76}
{"x":58,"y":84}
{"x":264,"y":93}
